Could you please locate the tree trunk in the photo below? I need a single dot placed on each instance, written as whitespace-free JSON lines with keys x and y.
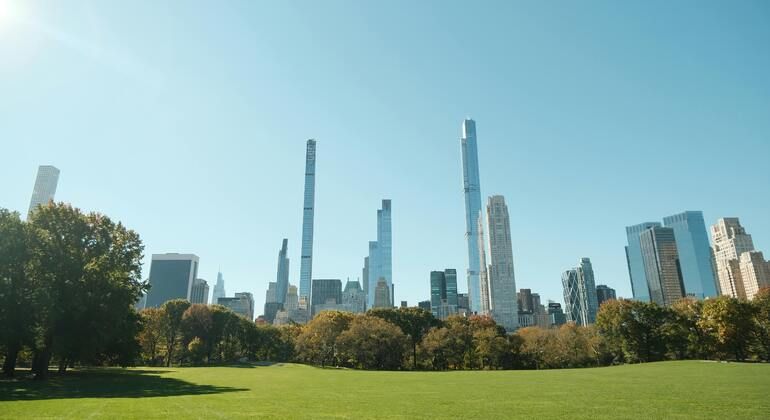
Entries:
{"x":9,"y":366}
{"x":414,"y":354}
{"x":40,"y":364}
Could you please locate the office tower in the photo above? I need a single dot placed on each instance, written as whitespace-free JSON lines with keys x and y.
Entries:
{"x":472,"y":192}
{"x":200,"y":292}
{"x":443,"y":293}
{"x":353,"y":297}
{"x":324,"y":292}
{"x":271,"y":295}
{"x":404,"y":304}
{"x":604,"y":293}
{"x":463,"y":303}
{"x":45,"y":186}
{"x":219,"y":289}
{"x":556,"y":314}
{"x":381,"y":254}
{"x":382,"y":295}
{"x":271,"y":309}
{"x":483,"y":269}
{"x":754,"y":272}
{"x":661,"y":265}
{"x":306,"y":261}
{"x":242,"y":304}
{"x":292,"y":299}
{"x":424,"y":304}
{"x":365,"y":276}
{"x":635,"y":262}
{"x":526,"y":304}
{"x":536,"y":302}
{"x":502,"y":290}
{"x":580,"y":293}
{"x":730,"y":241}
{"x":171,"y":277}
{"x":291,"y":312}
{"x":282,"y":277}
{"x":692,"y":245}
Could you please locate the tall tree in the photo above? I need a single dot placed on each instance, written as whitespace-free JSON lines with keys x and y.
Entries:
{"x":414,"y":322}
{"x":731,"y":324}
{"x":173,"y":311}
{"x":317,"y":343}
{"x":372,"y":343}
{"x":761,"y":305}
{"x":151,"y":334}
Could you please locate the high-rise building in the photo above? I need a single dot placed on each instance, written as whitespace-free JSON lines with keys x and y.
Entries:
{"x":324,"y":292}
{"x":635,"y":262}
{"x":472,"y":192}
{"x":242,"y":304}
{"x":308,"y":212}
{"x":381,"y":254}
{"x":291,"y":312}
{"x":219,"y":289}
{"x":272,"y":292}
{"x":271,"y":309}
{"x":463,"y":303}
{"x":730,"y":241}
{"x":171,"y":277}
{"x":282,"y":277}
{"x":526,"y":303}
{"x":443,"y":293}
{"x":556,"y":314}
{"x":755,"y":272}
{"x":45,"y":186}
{"x":199,"y":292}
{"x":483,"y":269}
{"x":692,"y":244}
{"x":604,"y":293}
{"x":502,"y":282}
{"x":580,"y":293}
{"x":382,"y":295}
{"x":661,"y":265}
{"x":424,"y":304}
{"x":353,"y":297}
{"x":365,"y":276}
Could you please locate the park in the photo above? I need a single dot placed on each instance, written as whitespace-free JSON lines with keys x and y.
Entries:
{"x":675,"y":389}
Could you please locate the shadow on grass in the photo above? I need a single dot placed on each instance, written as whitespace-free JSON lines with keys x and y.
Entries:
{"x":107,"y":383}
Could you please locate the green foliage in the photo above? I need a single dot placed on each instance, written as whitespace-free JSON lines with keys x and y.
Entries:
{"x":414,"y":322}
{"x":317,"y":343}
{"x":761,"y":340}
{"x":731,"y":324}
{"x":372,"y":343}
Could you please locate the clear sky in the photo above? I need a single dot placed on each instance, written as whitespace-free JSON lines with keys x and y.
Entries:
{"x":187,"y":121}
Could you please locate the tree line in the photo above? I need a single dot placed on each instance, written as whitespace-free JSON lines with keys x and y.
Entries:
{"x":69,"y":282}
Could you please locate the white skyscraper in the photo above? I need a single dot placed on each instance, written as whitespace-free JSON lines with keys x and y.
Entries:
{"x":219,"y":289}
{"x":502,"y":282}
{"x":730,"y":241}
{"x":308,"y":214}
{"x":483,"y":270}
{"x":472,"y":191}
{"x":45,"y":186}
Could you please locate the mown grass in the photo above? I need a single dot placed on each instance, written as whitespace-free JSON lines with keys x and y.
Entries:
{"x":690,"y":389}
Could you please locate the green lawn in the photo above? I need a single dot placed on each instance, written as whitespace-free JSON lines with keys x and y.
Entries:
{"x":658,"y":390}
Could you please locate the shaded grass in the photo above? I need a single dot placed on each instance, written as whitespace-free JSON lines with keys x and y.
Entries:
{"x":658,"y":390}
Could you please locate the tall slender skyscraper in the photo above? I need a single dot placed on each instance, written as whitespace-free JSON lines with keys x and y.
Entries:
{"x":730,"y":243}
{"x":282,"y":279}
{"x":306,"y":261}
{"x":661,"y":265}
{"x":635,"y":262}
{"x":381,"y":254}
{"x":219,"y":289}
{"x":580,"y":293}
{"x":483,"y":270}
{"x":45,"y":186}
{"x":502,"y":281}
{"x":692,"y":244}
{"x":472,"y":191}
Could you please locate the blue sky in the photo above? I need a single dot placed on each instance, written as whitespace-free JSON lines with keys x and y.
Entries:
{"x":187,"y":121}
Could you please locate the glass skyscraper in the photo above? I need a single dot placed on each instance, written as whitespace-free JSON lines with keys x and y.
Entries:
{"x":661,"y":265}
{"x":282,"y":277}
{"x":381,"y":254}
{"x":580,"y":298}
{"x":443,"y":293}
{"x":45,"y":186}
{"x":219,"y":289}
{"x":171,"y":277}
{"x":472,"y":191}
{"x":692,"y":244}
{"x":306,"y":261}
{"x":635,"y":263}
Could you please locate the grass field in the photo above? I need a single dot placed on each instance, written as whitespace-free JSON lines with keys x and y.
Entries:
{"x":658,"y":390}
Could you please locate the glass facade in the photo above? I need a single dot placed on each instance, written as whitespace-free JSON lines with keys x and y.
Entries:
{"x":692,"y":244}
{"x":380,"y":261}
{"x":306,"y":261}
{"x":325,"y":291}
{"x":472,"y":191}
{"x":282,"y":277}
{"x":635,"y":263}
{"x":661,"y":265}
{"x":45,"y":186}
{"x":171,"y":277}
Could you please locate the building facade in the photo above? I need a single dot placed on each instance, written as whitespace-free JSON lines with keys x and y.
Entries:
{"x":353,"y":297}
{"x":44,"y":191}
{"x":219,"y":289}
{"x":556,"y":314}
{"x":282,"y":274}
{"x":604,"y":293}
{"x":472,"y":193}
{"x":730,"y":242}
{"x":443,"y":293}
{"x":692,"y":245}
{"x":324,"y":292}
{"x":580,"y":293}
{"x":380,"y":266}
{"x":502,"y":281}
{"x":755,"y":272}
{"x":382,"y":295}
{"x":171,"y":277}
{"x":308,"y":214}
{"x":661,"y":265}
{"x":635,"y":262}
{"x":483,"y":269}
{"x":199,"y":292}
{"x":242,"y":304}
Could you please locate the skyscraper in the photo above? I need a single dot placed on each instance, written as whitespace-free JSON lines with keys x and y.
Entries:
{"x":171,"y":277}
{"x":365,"y":277}
{"x":353,"y":297}
{"x":635,"y":263}
{"x":526,"y":303}
{"x":580,"y":293}
{"x":502,"y":281}
{"x":661,"y":265}
{"x":381,"y":254}
{"x":219,"y":289}
{"x":242,"y":304}
{"x":308,"y":212}
{"x":604,"y":293}
{"x":443,"y":293}
{"x":755,"y":272}
{"x":730,"y":241}
{"x":199,"y":292}
{"x":282,"y":278}
{"x":271,"y":296}
{"x":382,"y":295}
{"x":692,"y":245}
{"x":483,"y":269}
{"x":325,"y":291}
{"x":45,"y":186}
{"x":472,"y":191}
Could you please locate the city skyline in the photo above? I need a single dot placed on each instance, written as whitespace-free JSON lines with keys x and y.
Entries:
{"x":201,"y":142}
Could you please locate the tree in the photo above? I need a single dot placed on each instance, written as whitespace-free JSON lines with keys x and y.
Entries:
{"x":730,"y":322}
{"x":414,"y":322}
{"x":173,"y":311}
{"x":372,"y":343}
{"x":684,"y":335}
{"x":16,"y":314}
{"x":634,"y":330}
{"x":151,"y":334}
{"x":540,"y":347}
{"x":761,"y":305}
{"x":197,"y":323}
{"x":317,"y":343}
